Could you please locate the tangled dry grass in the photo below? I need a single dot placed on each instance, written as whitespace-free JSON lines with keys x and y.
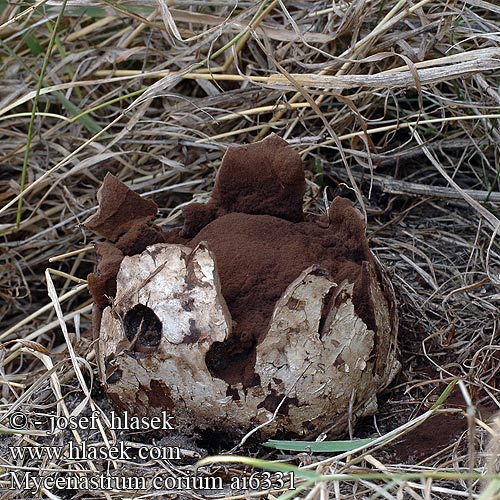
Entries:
{"x":394,"y":103}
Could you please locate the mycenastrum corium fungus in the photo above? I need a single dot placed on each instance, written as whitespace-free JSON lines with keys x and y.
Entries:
{"x":251,"y":312}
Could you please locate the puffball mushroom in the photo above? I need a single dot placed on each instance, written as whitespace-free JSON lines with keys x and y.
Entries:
{"x":250,"y":313}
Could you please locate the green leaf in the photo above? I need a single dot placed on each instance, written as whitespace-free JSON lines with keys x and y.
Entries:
{"x":444,"y":394}
{"x":318,"y":446}
{"x":88,"y":122}
{"x":32,"y":43}
{"x":34,"y":110}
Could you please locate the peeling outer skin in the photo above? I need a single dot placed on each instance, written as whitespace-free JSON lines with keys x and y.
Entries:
{"x":102,"y":283}
{"x":318,"y":367}
{"x":119,"y":210}
{"x":325,"y":371}
{"x":386,"y":316}
{"x":168,"y":279}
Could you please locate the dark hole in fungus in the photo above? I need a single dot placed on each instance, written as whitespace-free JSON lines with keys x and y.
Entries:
{"x":160,"y":395}
{"x":273,"y":400}
{"x":142,"y":325}
{"x":328,"y":302}
{"x":230,"y":391}
{"x":362,"y":298}
{"x":115,"y":376}
{"x":233,"y":362}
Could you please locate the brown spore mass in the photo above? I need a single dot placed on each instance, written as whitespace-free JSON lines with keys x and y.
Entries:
{"x":102,"y":282}
{"x":258,"y":256}
{"x":255,"y":226}
{"x":120,"y":210}
{"x":264,"y":178}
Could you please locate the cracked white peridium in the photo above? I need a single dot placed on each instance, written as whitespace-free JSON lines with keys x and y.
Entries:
{"x":319,"y":374}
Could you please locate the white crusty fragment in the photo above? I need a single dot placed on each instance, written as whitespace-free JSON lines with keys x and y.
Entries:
{"x":318,"y":363}
{"x":181,"y":287}
{"x":293,"y":338}
{"x":319,"y":358}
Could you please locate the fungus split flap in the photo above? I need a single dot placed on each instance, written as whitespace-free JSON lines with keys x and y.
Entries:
{"x":248,"y":310}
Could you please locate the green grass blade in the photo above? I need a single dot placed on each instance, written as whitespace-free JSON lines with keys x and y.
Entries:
{"x":298,"y":489}
{"x":88,"y":122}
{"x":33,"y":44}
{"x":78,"y":115}
{"x":491,"y":491}
{"x":318,"y":446}
{"x":444,"y":394}
{"x":34,"y":111}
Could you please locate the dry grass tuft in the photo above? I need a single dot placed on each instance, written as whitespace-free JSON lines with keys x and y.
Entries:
{"x":393,"y":103}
